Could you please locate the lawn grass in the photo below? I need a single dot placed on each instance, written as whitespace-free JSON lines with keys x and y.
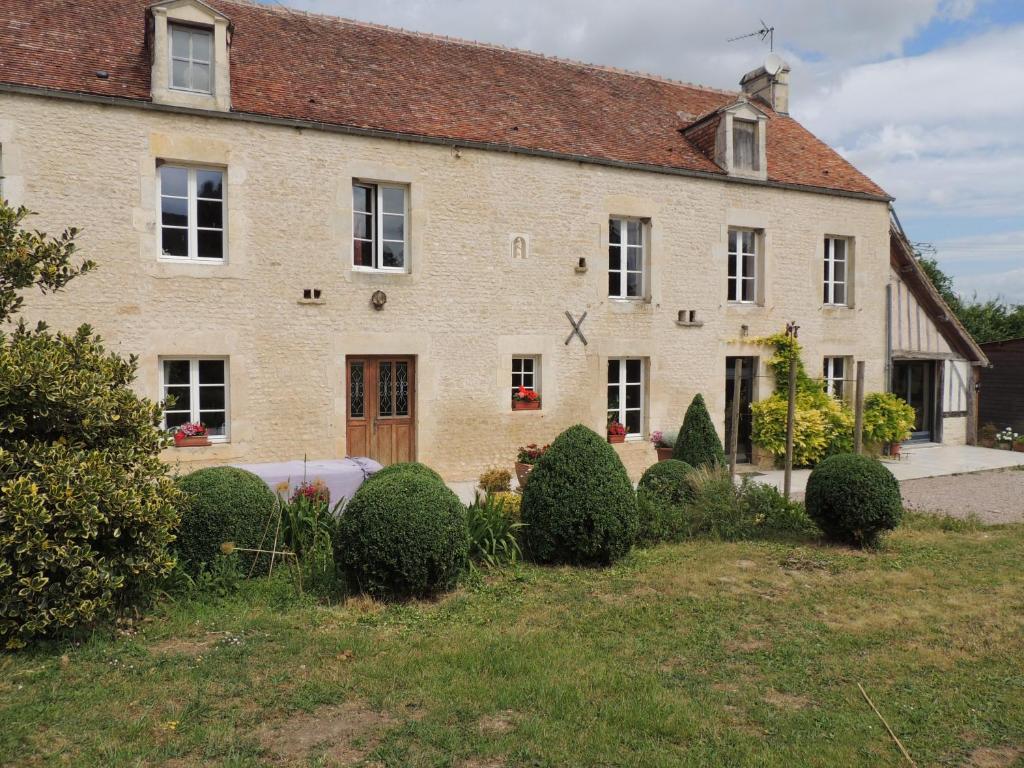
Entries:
{"x":697,"y":654}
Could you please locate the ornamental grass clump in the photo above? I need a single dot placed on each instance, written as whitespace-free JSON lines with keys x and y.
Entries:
{"x":853,"y":499}
{"x":698,"y":443}
{"x":579,"y":506}
{"x":403,"y":535}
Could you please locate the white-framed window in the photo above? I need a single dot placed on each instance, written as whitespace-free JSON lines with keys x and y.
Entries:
{"x":836,"y":268}
{"x":380,"y":231}
{"x":191,"y":59}
{"x":526,"y":373}
{"x":744,"y":145}
{"x":626,"y":396}
{"x":625,"y":258}
{"x":199,"y":386}
{"x":191,"y":213}
{"x":743,"y":258}
{"x":835,"y":376}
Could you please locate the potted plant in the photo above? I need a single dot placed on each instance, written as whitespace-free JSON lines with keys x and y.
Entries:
{"x":987,"y":435}
{"x":616,"y":432}
{"x":1007,"y":438}
{"x":527,"y":457}
{"x":661,"y":445}
{"x":525,"y":400}
{"x":191,"y":435}
{"x":888,"y":421}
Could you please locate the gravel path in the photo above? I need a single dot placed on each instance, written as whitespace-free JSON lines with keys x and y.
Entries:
{"x":995,"y":497}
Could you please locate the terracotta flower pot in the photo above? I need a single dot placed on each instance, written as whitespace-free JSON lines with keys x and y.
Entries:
{"x":893,"y":450}
{"x":526,"y":405}
{"x":664,"y":452}
{"x":522,"y":472}
{"x":195,"y":441}
{"x":616,"y":438}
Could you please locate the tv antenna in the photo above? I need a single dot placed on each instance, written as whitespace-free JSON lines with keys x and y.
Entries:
{"x":765,"y":32}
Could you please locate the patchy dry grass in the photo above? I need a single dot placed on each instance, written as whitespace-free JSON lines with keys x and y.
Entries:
{"x":686,"y":655}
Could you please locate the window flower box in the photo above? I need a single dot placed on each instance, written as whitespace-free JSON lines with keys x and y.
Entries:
{"x":192,"y":435}
{"x":525,"y":400}
{"x":616,"y":432}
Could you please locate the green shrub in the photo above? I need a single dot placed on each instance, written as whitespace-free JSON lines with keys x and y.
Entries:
{"x":771,"y":512}
{"x":224,"y":504}
{"x":887,"y":418}
{"x":493,"y":530}
{"x":853,"y":499}
{"x":666,"y":481}
{"x":496,"y":480}
{"x":404,"y":468}
{"x":823,"y":426}
{"x":87,"y":508}
{"x":658,"y":520}
{"x":698,"y":443}
{"x":579,"y":506}
{"x":714,"y":509}
{"x":402,"y":535}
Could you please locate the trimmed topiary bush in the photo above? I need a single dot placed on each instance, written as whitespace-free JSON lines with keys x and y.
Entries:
{"x":223,"y":504}
{"x":666,"y":480}
{"x":579,"y":506}
{"x":853,"y":499}
{"x":698,"y":443}
{"x":404,"y":468}
{"x":402,"y":535}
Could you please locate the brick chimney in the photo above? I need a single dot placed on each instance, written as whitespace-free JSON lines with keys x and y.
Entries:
{"x":770,"y":83}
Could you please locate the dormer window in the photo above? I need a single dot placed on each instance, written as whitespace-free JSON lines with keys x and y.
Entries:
{"x":744,"y":145}
{"x":191,"y":59}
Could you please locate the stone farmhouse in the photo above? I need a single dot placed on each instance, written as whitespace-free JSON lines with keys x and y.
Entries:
{"x":330,"y":238}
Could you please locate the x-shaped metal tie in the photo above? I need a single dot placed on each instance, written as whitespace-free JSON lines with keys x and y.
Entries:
{"x":576,"y":327}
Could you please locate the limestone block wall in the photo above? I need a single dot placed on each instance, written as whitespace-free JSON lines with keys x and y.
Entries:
{"x":466,"y":306}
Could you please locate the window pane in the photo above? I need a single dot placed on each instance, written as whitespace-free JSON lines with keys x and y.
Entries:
{"x":355,"y":390}
{"x":517,"y":365}
{"x":748,"y":265}
{"x":175,"y":419}
{"x":176,"y":372}
{"x":209,"y":184}
{"x":826,"y":298}
{"x":634,"y":232}
{"x":174,"y":242}
{"x":633,"y":284}
{"x":211,"y":244}
{"x":613,"y":399}
{"x":174,"y":211}
{"x":394,"y":227}
{"x":634,"y":257}
{"x":394,"y":200}
{"x":614,"y":283}
{"x":633,"y":396}
{"x":634,"y":368}
{"x":201,"y":46}
{"x":201,"y":77}
{"x":362,"y":226}
{"x":614,"y":231}
{"x":362,"y":253}
{"x":211,"y":372}
{"x":173,"y":181}
{"x":732,"y":264}
{"x":215,"y":421}
{"x":633,"y":422}
{"x":733,"y":234}
{"x":614,"y":257}
{"x":211,"y":398}
{"x":613,"y":371}
{"x":839,"y":294}
{"x":748,"y":290}
{"x":837,"y":367}
{"x":748,"y":242}
{"x":527,"y":365}
{"x":179,"y":43}
{"x":401,"y":389}
{"x":209,"y":214}
{"x":732,"y":289}
{"x":743,"y":144}
{"x":362,"y":198}
{"x":181,"y":395}
{"x":394,"y":255}
{"x":179,"y":74}
{"x":840,"y":249}
{"x":840,"y":272}
{"x":384,"y":400}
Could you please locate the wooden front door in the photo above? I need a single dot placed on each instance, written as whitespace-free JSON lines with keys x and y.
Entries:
{"x":381,"y":423}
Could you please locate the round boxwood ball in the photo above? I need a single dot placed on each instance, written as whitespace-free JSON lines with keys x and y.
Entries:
{"x":222,"y":504}
{"x":853,"y":499}
{"x":579,"y":506}
{"x":402,"y":535}
{"x":405,"y":467}
{"x":666,"y":481}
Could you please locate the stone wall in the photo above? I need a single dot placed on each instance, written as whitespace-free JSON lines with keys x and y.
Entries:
{"x":465,"y":307}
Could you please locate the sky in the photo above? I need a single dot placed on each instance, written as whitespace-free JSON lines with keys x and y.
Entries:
{"x":925,"y":96}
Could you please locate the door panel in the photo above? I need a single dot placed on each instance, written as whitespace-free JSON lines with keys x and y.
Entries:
{"x":914,"y":381}
{"x":381,"y":400}
{"x":744,"y":443}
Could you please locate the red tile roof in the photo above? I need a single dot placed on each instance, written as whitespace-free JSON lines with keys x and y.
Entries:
{"x":289,"y":64}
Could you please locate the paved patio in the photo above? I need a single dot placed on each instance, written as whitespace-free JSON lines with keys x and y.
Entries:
{"x":924,"y":460}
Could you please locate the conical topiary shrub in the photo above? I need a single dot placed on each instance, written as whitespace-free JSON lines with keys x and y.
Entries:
{"x":579,"y":506}
{"x":698,"y":443}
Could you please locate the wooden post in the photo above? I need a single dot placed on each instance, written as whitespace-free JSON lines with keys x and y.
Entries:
{"x":790,"y":426}
{"x":858,"y":410}
{"x":734,"y":425}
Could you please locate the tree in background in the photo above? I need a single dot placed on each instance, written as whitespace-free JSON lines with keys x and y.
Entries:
{"x":992,"y":320}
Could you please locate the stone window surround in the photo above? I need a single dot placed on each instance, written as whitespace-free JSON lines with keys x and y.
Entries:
{"x":724,"y":152}
{"x":737,"y":218}
{"x":851,"y":268}
{"x":194,"y":386}
{"x":192,"y":259}
{"x":194,"y":14}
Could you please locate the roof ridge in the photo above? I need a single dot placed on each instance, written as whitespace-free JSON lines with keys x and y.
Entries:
{"x":278,"y":7}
